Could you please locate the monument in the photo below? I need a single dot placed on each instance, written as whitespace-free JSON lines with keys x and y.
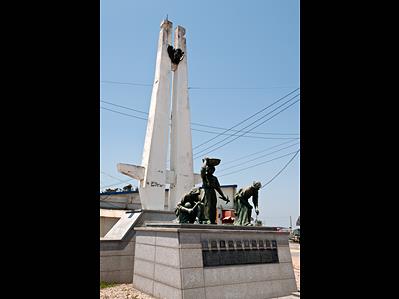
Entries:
{"x":189,"y":260}
{"x":153,"y":173}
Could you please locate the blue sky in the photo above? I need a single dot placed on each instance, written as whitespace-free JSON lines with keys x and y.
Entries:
{"x":242,"y":57}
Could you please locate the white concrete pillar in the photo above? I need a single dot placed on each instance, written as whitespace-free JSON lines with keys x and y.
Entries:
{"x":152,"y":186}
{"x":181,"y":159}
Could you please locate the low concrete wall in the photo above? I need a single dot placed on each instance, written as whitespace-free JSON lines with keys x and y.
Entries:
{"x":106,"y":223}
{"x":117,"y":259}
{"x":108,"y":218}
{"x":117,"y":248}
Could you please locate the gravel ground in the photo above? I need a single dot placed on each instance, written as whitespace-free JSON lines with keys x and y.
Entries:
{"x":122,"y":291}
{"x":126,"y":291}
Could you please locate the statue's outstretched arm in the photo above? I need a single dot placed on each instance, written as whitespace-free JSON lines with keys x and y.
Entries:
{"x":255,"y":201}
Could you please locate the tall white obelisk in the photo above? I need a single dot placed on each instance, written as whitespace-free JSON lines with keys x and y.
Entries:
{"x":153,"y":170}
{"x":152,"y":173}
{"x":181,"y":153}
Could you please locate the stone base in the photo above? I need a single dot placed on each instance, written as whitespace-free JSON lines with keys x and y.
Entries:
{"x":212,"y":261}
{"x":117,"y":248}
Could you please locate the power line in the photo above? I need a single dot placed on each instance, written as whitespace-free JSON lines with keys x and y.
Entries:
{"x":239,"y":88}
{"x":285,"y":166}
{"x":263,"y":133}
{"x":208,"y":148}
{"x":193,"y":87}
{"x":258,"y":152}
{"x":110,"y":176}
{"x":121,"y":182}
{"x":252,"y":166}
{"x":115,"y":178}
{"x":126,"y":83}
{"x":258,"y":137}
{"x":276,"y":151}
{"x":124,"y":113}
{"x":139,"y":111}
{"x":246,"y":119}
{"x":196,"y":124}
{"x":222,"y":145}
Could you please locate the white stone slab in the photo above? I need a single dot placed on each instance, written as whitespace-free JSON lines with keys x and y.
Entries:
{"x":167,"y":275}
{"x":190,"y":258}
{"x":197,"y":293}
{"x":192,"y":278}
{"x":167,"y":239}
{"x":163,"y":291}
{"x":254,"y":290}
{"x":284,"y":287}
{"x":284,"y":254}
{"x":145,"y":252}
{"x":144,"y":268}
{"x":167,"y":256}
{"x":122,"y":227}
{"x":143,"y":284}
{"x":145,"y":237}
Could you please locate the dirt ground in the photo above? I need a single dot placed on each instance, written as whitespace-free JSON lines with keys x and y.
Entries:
{"x":126,"y":291}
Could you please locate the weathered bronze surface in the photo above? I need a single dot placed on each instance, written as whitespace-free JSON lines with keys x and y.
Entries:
{"x":188,"y":208}
{"x":210,"y":184}
{"x":243,"y":209}
{"x":175,"y":55}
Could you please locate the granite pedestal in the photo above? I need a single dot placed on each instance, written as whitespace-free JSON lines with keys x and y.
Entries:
{"x":212,"y":261}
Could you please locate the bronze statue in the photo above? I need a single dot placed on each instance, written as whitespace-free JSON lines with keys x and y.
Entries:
{"x":242,"y":207}
{"x":175,"y":55}
{"x":187,"y":209}
{"x":210,"y":183}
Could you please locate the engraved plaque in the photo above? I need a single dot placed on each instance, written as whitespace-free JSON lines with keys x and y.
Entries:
{"x":253,"y":257}
{"x":240,"y":257}
{"x":214,"y":245}
{"x":230,"y":244}
{"x":274,"y":256}
{"x":266,"y":256}
{"x":228,"y":257}
{"x":261,"y":245}
{"x":239,"y":245}
{"x":222,"y":244}
{"x":249,"y":254}
{"x":205,"y":245}
{"x":268,"y":244}
{"x":254,"y":244}
{"x":211,"y":258}
{"x":246,"y":244}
